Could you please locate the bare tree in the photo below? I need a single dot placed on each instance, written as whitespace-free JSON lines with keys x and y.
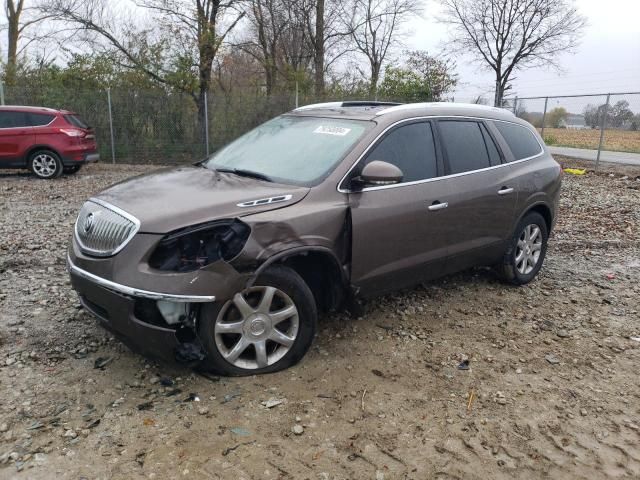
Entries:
{"x":375,"y":27}
{"x":17,"y":24}
{"x":327,"y":34}
{"x":268,"y":38}
{"x":511,"y":35}
{"x":191,"y":33}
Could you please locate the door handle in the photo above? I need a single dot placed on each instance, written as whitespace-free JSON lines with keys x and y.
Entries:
{"x":438,"y":206}
{"x":505,"y":191}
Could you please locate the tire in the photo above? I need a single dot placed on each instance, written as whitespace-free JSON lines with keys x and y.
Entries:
{"x":224,"y":330}
{"x":45,"y":164}
{"x":71,"y":170}
{"x":520,"y":271}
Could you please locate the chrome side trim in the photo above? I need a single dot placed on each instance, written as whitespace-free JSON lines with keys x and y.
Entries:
{"x":120,"y":212}
{"x":136,"y":292}
{"x":265,"y":201}
{"x":444,"y":177}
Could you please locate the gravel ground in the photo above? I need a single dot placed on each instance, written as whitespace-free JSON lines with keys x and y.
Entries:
{"x":551,"y":390}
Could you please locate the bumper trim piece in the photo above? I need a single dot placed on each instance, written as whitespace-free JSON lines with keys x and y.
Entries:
{"x":136,"y":292}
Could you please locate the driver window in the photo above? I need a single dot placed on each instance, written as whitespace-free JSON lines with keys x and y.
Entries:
{"x":410,"y":148}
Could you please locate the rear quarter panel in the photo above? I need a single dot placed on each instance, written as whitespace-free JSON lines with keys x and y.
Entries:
{"x":538,"y":182}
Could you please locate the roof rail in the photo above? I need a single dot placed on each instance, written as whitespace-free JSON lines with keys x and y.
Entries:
{"x":347,"y":104}
{"x":409,"y":106}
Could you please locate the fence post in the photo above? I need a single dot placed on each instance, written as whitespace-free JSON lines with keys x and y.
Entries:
{"x":1,"y":93}
{"x":515,"y":106}
{"x":603,"y":125}
{"x":206,"y":122}
{"x":544,"y":116}
{"x":296,"y":93}
{"x":113,"y":147}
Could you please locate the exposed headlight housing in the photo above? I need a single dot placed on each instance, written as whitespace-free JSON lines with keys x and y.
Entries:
{"x":194,"y":247}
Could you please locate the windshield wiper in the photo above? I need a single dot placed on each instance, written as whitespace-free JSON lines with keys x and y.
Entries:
{"x":245,"y":173}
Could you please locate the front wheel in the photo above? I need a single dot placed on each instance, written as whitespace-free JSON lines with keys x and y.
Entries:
{"x":527,"y":249}
{"x":45,"y":164}
{"x":265,"y":328}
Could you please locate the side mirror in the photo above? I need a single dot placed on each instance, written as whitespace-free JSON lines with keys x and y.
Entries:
{"x":378,"y":173}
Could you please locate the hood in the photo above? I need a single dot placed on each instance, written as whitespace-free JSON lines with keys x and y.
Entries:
{"x":174,"y":198}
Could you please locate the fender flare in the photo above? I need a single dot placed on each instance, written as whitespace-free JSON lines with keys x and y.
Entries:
{"x":290,"y":252}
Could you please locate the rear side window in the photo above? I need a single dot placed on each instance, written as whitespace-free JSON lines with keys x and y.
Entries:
{"x":411,"y":149}
{"x":13,"y":120}
{"x":465,"y":145}
{"x":521,"y":140}
{"x":40,"y":119}
{"x":76,"y":121}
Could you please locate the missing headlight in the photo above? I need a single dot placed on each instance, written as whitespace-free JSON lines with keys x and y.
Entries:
{"x":195,"y":247}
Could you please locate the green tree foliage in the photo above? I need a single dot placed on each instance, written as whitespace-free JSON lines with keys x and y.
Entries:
{"x":421,"y":78}
{"x":555,"y":117}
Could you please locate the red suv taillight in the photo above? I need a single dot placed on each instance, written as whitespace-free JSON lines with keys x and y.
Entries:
{"x":72,"y":132}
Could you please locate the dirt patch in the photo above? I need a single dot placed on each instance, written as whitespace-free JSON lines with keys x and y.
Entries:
{"x":551,"y":389}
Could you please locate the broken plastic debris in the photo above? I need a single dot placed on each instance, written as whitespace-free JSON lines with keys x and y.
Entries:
{"x":272,"y":402}
{"x":575,"y":171}
{"x":192,"y":398}
{"x":635,"y":339}
{"x":464,"y":365}
{"x":243,"y":432}
{"x":102,"y":362}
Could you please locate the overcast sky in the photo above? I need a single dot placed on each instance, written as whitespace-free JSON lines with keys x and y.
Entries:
{"x":607,"y":60}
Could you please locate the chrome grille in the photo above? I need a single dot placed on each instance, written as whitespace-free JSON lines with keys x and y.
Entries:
{"x":103,"y":230}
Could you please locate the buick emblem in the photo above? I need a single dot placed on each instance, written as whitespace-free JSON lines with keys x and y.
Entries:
{"x":88,"y":223}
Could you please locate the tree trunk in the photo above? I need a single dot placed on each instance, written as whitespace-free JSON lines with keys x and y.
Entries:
{"x":497,"y":99}
{"x":318,"y":54}
{"x":375,"y":77}
{"x":12,"y":50}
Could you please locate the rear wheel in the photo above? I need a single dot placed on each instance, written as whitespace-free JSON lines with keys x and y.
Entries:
{"x":72,"y":169}
{"x":265,"y":328}
{"x":45,"y":164}
{"x":527,"y":249}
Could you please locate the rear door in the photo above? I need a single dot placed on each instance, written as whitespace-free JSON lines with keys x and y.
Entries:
{"x":481,"y":193}
{"x":16,"y":137}
{"x":396,"y":240}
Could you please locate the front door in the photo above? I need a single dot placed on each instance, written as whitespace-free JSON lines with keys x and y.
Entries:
{"x":16,"y":136}
{"x":397,"y":240}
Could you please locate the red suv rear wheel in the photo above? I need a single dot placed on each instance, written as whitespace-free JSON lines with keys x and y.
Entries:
{"x":45,"y":164}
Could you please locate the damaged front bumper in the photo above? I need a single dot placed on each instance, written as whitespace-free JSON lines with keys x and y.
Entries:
{"x":135,"y":292}
{"x":156,"y":324}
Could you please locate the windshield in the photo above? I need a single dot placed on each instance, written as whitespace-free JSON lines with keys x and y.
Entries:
{"x":289,"y":149}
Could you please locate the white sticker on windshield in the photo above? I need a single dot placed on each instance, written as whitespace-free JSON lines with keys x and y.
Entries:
{"x":341,"y":131}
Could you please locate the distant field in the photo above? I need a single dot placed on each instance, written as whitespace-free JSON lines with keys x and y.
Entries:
{"x":616,"y":140}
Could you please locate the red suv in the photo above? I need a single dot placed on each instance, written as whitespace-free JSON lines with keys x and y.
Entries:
{"x":48,"y":142}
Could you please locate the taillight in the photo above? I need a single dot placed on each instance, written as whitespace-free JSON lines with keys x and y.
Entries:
{"x":72,"y":132}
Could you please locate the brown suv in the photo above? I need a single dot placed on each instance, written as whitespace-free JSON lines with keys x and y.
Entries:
{"x":225,"y":264}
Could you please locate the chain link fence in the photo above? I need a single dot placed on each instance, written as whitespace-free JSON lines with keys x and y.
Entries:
{"x":598,"y":127}
{"x":156,"y":126}
{"x":160,"y":126}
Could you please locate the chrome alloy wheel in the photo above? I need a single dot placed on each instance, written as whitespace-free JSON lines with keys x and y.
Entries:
{"x":44,"y":165}
{"x":528,"y":249}
{"x":257,"y":327}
